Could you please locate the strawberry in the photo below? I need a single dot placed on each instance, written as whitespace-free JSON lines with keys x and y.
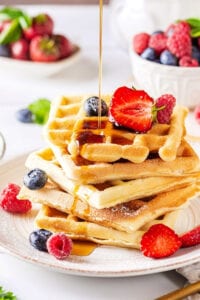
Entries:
{"x":42,"y":24}
{"x":44,"y":49}
{"x":20,"y":49}
{"x":191,"y":238}
{"x":132,"y":109}
{"x":64,"y":45}
{"x":160,"y":241}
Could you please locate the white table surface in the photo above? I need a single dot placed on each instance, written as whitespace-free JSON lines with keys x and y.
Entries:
{"x":30,"y":282}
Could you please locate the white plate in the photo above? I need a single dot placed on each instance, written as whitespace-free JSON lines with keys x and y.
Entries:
{"x":40,"y":69}
{"x":104,"y":261}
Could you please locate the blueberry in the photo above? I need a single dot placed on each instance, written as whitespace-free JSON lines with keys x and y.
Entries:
{"x":35,"y":179}
{"x":24,"y":115}
{"x":38,"y":239}
{"x":91,"y":106}
{"x":167,"y":58}
{"x":196,"y":53}
{"x":5,"y":51}
{"x":157,"y":32}
{"x":149,"y":54}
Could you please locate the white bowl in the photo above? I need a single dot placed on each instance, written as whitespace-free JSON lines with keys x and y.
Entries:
{"x":40,"y":69}
{"x":157,"y":79}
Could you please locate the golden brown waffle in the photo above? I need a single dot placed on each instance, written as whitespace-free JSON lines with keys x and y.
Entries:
{"x":78,"y":229}
{"x":186,"y":164}
{"x":109,"y":193}
{"x":69,"y":127}
{"x":127,"y":217}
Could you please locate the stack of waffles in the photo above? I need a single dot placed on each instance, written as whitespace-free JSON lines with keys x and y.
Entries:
{"x":107,"y":184}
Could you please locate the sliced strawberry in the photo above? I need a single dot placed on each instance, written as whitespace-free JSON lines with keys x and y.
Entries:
{"x":191,"y":238}
{"x":132,"y":109}
{"x":160,"y":241}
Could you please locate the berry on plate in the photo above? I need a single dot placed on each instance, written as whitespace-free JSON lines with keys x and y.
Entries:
{"x":164,"y":106}
{"x":38,"y":239}
{"x":44,"y":49}
{"x":159,"y":241}
{"x":132,"y":109}
{"x":42,"y":24}
{"x":191,"y":238}
{"x":9,"y":201}
{"x":59,"y":245}
{"x":35,"y":179}
{"x":91,"y":106}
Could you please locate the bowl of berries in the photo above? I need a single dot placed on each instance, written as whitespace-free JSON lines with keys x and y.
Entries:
{"x":30,"y":45}
{"x":169,"y":61}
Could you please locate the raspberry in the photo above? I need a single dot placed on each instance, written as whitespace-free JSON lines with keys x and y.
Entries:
{"x":197,"y":113}
{"x":158,"y":42}
{"x":191,"y":238}
{"x":170,"y":30}
{"x":188,"y":61}
{"x":183,"y":27}
{"x":59,"y":245}
{"x":9,"y":201}
{"x":160,"y":241}
{"x":140,"y":42}
{"x":166,"y":104}
{"x":179,"y":44}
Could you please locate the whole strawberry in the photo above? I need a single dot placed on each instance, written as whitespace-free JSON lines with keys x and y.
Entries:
{"x":197,"y":113}
{"x":42,"y":24}
{"x":164,"y":106}
{"x":191,"y":238}
{"x":9,"y":201}
{"x":160,"y":241}
{"x":44,"y":49}
{"x":64,"y":45}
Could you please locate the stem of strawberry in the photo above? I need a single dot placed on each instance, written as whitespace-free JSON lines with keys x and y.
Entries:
{"x":155,"y":110}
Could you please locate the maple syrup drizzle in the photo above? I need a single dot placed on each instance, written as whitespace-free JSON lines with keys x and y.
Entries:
{"x":83,"y":248}
{"x":100,"y":59}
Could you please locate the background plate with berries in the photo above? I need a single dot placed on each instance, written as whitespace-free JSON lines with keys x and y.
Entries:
{"x":40,"y":69}
{"x":102,"y":262}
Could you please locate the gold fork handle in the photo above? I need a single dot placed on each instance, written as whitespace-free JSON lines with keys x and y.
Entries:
{"x":182,"y":293}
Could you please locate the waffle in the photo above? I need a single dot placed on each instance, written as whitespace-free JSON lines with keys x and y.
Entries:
{"x":186,"y":163}
{"x":109,"y":193}
{"x":128,"y":217}
{"x":77,"y":229}
{"x":68,"y":127}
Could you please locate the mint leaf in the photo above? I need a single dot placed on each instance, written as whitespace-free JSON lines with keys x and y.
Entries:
{"x":40,"y":110}
{"x":193,"y":22}
{"x":195,"y":32}
{"x":6,"y":295}
{"x":11,"y":13}
{"x":11,"y":34}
